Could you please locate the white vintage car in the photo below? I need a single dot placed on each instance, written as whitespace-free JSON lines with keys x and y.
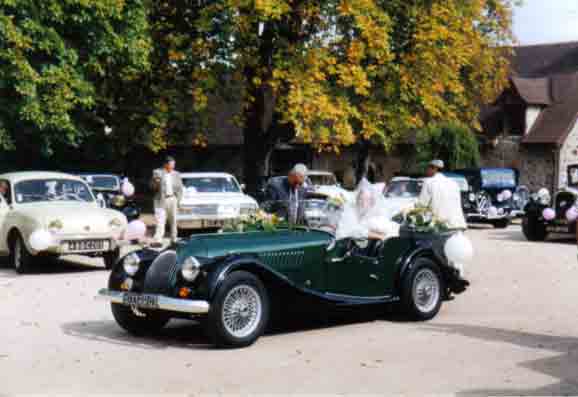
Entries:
{"x":58,"y":213}
{"x":325,"y":183}
{"x":402,"y":193}
{"x":210,"y":200}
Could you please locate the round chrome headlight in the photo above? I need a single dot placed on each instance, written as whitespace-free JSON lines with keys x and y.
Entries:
{"x":118,"y":201}
{"x":131,"y":264}
{"x":472,"y":197}
{"x":190,"y":269}
{"x":543,"y":196}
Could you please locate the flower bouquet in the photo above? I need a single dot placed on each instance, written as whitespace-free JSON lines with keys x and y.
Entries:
{"x":421,"y":219}
{"x":259,"y":221}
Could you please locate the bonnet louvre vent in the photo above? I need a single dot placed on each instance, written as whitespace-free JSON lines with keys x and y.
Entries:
{"x":283,"y":259}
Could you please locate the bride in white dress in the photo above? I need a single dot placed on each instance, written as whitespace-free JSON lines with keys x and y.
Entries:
{"x":366,"y":217}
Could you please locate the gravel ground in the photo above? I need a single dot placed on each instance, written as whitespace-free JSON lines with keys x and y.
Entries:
{"x":514,"y":332}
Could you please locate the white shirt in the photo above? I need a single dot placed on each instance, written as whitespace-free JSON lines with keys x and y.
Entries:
{"x":443,"y":196}
{"x":168,"y":183}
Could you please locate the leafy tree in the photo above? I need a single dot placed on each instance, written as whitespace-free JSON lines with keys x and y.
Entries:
{"x":333,"y":72}
{"x":456,"y":144}
{"x":57,"y":61}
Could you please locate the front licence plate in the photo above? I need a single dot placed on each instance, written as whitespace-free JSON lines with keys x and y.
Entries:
{"x":88,"y":245}
{"x":141,"y":300}
{"x":213,"y":223}
{"x":557,"y":229}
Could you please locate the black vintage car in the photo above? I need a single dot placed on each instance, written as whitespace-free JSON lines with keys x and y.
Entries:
{"x":535,"y":226}
{"x":492,"y":197}
{"x":107,"y":189}
{"x":234,"y":282}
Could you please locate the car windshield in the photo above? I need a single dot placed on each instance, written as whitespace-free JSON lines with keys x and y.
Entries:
{"x":40,"y":190}
{"x":498,"y":178}
{"x":404,"y":188}
{"x":211,"y":185}
{"x":102,"y":182}
{"x":461,"y":181}
{"x":322,"y":179}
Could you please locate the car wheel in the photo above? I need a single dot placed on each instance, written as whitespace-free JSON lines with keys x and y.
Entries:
{"x":239,"y":312}
{"x":137,"y":322}
{"x":20,"y":258}
{"x":110,"y":258}
{"x":422,"y":290}
{"x":533,"y":229}
{"x":501,"y":223}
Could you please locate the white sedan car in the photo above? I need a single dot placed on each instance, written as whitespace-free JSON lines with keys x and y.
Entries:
{"x":402,"y":193}
{"x":325,"y":183}
{"x":53,"y":214}
{"x":210,"y":200}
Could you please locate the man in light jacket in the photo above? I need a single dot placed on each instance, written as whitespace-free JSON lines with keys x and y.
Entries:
{"x":168,"y":192}
{"x":443,"y":196}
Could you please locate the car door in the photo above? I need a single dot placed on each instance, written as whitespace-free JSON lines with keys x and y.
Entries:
{"x":354,"y":274}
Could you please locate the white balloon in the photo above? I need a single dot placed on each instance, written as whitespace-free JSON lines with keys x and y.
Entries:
{"x":127,"y":188}
{"x":492,"y":211}
{"x":135,"y":230}
{"x":40,"y":240}
{"x":458,"y":249}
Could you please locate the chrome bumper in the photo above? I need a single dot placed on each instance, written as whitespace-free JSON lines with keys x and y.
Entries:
{"x":164,"y":302}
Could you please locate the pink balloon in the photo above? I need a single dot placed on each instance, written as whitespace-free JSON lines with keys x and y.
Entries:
{"x":548,"y":214}
{"x":135,"y":230}
{"x":572,"y":214}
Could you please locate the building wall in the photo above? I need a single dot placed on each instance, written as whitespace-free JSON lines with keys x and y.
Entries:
{"x":536,"y":163}
{"x":532,"y":113}
{"x":568,"y":155}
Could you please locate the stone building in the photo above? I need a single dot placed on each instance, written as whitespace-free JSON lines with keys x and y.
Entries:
{"x":533,"y":124}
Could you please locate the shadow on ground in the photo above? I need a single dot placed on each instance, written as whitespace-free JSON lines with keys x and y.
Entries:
{"x":50,"y":266}
{"x":191,"y":334}
{"x":563,"y":367}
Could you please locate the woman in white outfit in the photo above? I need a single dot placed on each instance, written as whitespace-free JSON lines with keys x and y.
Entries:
{"x":366,"y":217}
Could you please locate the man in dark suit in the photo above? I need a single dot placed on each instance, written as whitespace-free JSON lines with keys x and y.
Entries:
{"x":284,"y":195}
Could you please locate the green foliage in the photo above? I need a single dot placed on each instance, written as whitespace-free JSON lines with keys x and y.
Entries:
{"x":55,"y":60}
{"x":456,"y":144}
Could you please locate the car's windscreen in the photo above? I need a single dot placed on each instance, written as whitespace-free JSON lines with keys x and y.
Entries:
{"x":409,"y":188}
{"x":102,"y":182}
{"x":498,"y":178}
{"x":44,"y":190}
{"x":462,"y":182}
{"x":322,"y":179}
{"x":211,"y":185}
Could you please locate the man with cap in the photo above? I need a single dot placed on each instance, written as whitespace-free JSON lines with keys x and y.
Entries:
{"x":168,"y":191}
{"x":443,"y":196}
{"x":284,"y":195}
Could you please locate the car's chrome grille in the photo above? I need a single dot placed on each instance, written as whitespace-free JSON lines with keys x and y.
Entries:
{"x":203,"y":209}
{"x":161,"y":276}
{"x":563,"y":202}
{"x":283,"y":260}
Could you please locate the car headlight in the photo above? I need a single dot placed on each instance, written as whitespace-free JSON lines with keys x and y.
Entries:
{"x":543,"y":196}
{"x":118,"y":201}
{"x":191,"y":268}
{"x":131,"y":264}
{"x":472,"y":197}
{"x":115,"y":223}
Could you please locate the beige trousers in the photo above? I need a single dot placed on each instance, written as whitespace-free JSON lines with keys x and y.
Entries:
{"x":166,"y":213}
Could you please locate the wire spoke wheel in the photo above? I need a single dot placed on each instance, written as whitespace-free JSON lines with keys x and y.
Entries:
{"x":242,"y":310}
{"x":426,"y":290}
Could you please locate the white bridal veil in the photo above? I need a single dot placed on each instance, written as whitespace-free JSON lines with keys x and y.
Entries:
{"x":368,"y":212}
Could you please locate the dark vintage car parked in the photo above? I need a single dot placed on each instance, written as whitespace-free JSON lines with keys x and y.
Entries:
{"x":492,"y":197}
{"x":234,"y":282}
{"x":535,"y":227}
{"x":107,"y":187}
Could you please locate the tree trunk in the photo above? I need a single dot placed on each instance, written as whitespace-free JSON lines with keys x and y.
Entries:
{"x":362,"y":162}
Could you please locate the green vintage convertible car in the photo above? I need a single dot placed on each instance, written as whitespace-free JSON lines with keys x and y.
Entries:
{"x":234,"y":282}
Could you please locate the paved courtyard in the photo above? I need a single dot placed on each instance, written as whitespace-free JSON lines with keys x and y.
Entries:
{"x":514,"y":332}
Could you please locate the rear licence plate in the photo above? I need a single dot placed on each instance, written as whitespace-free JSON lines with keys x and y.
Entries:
{"x":88,"y":245}
{"x":140,"y":300}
